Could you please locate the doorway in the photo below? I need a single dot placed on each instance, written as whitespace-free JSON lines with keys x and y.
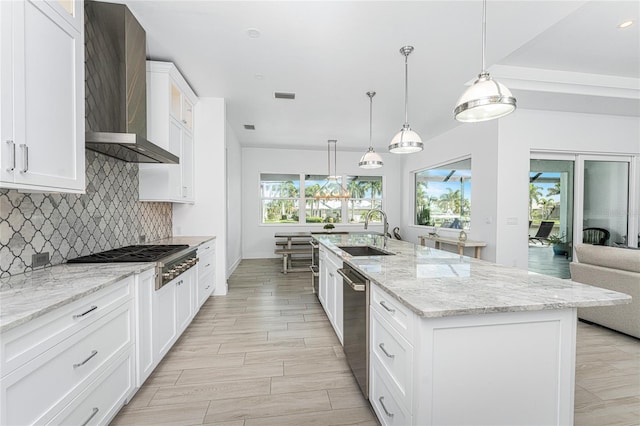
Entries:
{"x":551,"y":201}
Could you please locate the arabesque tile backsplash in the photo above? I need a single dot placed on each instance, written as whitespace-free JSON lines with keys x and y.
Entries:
{"x":108,"y":216}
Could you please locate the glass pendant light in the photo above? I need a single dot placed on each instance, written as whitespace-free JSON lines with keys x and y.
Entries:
{"x":406,"y":140}
{"x":370,"y":159}
{"x":486,"y":99}
{"x":332,"y":189}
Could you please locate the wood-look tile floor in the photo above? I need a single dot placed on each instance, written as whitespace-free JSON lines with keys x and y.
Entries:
{"x":265,"y":354}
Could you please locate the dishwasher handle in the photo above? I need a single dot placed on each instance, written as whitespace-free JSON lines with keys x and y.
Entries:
{"x":356,"y":286}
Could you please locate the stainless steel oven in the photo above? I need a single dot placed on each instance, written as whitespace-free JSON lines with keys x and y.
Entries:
{"x":315,"y":266}
{"x":355,"y":307}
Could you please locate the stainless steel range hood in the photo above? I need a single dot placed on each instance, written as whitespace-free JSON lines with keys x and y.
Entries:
{"x":115,"y":86}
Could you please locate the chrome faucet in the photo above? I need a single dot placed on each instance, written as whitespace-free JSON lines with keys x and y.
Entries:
{"x":384,"y":217}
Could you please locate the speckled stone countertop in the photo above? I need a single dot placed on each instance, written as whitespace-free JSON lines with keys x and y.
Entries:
{"x":435,"y":283}
{"x":27,"y":296}
{"x":191,"y":241}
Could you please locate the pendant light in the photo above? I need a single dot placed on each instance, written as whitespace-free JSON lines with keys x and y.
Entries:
{"x":486,"y":99}
{"x":332,"y":189}
{"x":406,"y":140}
{"x":370,"y":159}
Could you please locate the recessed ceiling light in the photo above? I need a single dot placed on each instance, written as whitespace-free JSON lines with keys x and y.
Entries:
{"x":259,"y":76}
{"x":249,"y":127}
{"x":284,"y":95}
{"x":253,"y":32}
{"x":626,"y":24}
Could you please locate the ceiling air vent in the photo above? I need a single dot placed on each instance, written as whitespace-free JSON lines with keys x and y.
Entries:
{"x":284,"y":95}
{"x":249,"y":127}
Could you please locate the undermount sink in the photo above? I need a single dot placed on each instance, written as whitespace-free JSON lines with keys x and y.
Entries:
{"x":364,"y":251}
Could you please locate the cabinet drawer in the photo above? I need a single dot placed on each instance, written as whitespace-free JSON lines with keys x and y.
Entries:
{"x":387,"y":407}
{"x":23,"y":343}
{"x":35,"y":391}
{"x":395,"y":355}
{"x":207,"y":258}
{"x":104,"y":397}
{"x":398,"y":315}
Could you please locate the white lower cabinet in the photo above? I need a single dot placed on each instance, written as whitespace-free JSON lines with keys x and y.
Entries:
{"x":389,"y":409}
{"x":206,"y":271}
{"x":104,"y":397}
{"x":185,"y":290}
{"x":470,"y":369}
{"x":330,"y":291}
{"x":39,"y":387}
{"x":144,"y":288}
{"x":173,"y":309}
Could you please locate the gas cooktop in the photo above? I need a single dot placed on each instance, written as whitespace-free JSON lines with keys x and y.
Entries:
{"x":136,"y":253}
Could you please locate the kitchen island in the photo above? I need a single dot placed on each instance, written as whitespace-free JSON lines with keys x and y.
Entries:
{"x":456,"y":340}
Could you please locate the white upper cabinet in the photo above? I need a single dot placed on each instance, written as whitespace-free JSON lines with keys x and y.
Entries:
{"x":170,"y":103}
{"x":42,"y":102}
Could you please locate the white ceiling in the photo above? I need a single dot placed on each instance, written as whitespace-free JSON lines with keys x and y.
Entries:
{"x":331,"y":53}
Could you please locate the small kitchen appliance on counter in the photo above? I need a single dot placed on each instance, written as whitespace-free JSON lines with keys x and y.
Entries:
{"x":171,"y":260}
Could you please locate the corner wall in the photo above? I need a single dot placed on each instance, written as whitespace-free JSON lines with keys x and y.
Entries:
{"x":207,"y":216}
{"x":480,"y":141}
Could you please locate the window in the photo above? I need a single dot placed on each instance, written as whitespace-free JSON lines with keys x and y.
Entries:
{"x":366,"y":194}
{"x":443,"y":195}
{"x":280,"y":193}
{"x":286,"y":196}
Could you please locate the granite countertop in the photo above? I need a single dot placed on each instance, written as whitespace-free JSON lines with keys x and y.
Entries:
{"x":191,"y":241}
{"x":27,"y":296}
{"x":435,"y":283}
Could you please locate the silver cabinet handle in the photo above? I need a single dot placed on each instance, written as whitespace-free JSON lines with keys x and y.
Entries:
{"x":184,"y":121}
{"x":91,"y":309}
{"x":13,"y":156}
{"x":381,"y":399}
{"x":207,"y":287}
{"x":93,"y":414}
{"x":93,"y":353}
{"x":25,"y":157}
{"x":331,"y":274}
{"x":179,"y":282}
{"x":381,"y":346}
{"x":384,"y":305}
{"x":207,"y":265}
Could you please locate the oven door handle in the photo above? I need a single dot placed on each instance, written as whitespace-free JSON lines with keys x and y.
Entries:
{"x":354,"y":286}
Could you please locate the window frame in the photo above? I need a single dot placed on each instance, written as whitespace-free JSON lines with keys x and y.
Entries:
{"x":302,"y":200}
{"x":440,"y":165}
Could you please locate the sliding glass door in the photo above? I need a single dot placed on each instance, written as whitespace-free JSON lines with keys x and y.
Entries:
{"x":605,"y":212}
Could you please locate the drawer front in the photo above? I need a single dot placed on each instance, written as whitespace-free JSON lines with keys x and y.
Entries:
{"x":207,"y":259}
{"x":206,"y":285}
{"x":104,"y":397}
{"x":23,"y":343}
{"x":398,"y":315}
{"x":395,"y":355}
{"x":388,"y":409}
{"x":35,"y":391}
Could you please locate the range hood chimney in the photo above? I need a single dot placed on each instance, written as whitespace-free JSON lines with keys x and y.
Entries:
{"x":115,"y":86}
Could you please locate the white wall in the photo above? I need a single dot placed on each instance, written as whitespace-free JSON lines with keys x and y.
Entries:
{"x":257,"y":239}
{"x":234,"y":201}
{"x":500,"y":153}
{"x":208,"y":215}
{"x":528,"y":130}
{"x":481,"y":142}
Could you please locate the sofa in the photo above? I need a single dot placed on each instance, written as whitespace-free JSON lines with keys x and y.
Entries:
{"x":615,"y":269}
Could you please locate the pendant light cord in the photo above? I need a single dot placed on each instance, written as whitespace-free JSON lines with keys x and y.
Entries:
{"x":371,"y":95}
{"x":406,"y":89}
{"x":484,"y":34}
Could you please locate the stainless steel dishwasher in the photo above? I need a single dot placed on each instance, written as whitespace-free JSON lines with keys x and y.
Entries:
{"x":355,"y":310}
